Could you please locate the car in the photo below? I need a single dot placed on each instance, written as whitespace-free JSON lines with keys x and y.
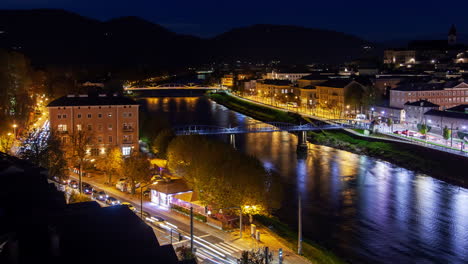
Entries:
{"x":146,"y":192}
{"x":87,"y":188}
{"x":145,"y":215}
{"x":129,"y":205}
{"x":112,"y":201}
{"x":74,"y":184}
{"x":99,"y":195}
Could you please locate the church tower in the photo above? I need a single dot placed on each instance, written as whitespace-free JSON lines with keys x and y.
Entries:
{"x":452,"y":35}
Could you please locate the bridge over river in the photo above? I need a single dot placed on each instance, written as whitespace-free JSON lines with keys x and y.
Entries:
{"x":262,"y":127}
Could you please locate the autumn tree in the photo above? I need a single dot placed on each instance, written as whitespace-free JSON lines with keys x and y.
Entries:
{"x":6,"y":143}
{"x":161,"y":142}
{"x":77,"y":150}
{"x":446,"y":133}
{"x":258,"y":256}
{"x":222,"y":176}
{"x":137,"y":169}
{"x":110,"y":163}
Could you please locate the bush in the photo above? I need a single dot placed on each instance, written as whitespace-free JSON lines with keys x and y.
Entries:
{"x":186,"y":212}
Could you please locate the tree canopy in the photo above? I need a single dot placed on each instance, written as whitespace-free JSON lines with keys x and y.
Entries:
{"x":223,"y":176}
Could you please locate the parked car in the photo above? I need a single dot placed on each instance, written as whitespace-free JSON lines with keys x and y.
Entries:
{"x":87,"y":188}
{"x":129,"y":205}
{"x":99,"y":195}
{"x":73,"y":184}
{"x":147,"y":192}
{"x":112,"y":201}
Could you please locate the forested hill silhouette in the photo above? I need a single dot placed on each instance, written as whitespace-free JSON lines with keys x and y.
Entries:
{"x":50,"y":36}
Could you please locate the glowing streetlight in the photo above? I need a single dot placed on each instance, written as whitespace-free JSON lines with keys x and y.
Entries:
{"x":14,"y":129}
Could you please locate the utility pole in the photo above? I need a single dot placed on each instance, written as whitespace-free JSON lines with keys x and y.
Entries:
{"x":191,"y":228}
{"x":451,"y":135}
{"x":299,"y":234}
{"x":240,"y":223}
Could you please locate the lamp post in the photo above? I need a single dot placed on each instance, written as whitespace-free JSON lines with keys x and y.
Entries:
{"x":14,"y":129}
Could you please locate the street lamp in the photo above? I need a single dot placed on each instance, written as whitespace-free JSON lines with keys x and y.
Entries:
{"x":14,"y":129}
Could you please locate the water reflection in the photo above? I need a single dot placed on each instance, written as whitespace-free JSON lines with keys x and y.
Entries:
{"x":367,"y":210}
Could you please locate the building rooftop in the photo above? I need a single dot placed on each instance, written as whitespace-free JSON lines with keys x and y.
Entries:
{"x":450,"y":114}
{"x":309,"y":87}
{"x":422,"y":103}
{"x":315,"y":77}
{"x":277,"y":82}
{"x":336,"y":83}
{"x":426,"y":86}
{"x":89,"y":100}
{"x":171,"y":187}
{"x":463,"y":108}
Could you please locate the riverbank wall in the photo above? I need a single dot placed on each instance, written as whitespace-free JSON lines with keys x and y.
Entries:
{"x":439,"y":164}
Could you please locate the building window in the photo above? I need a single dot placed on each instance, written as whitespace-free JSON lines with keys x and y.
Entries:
{"x":89,"y":115}
{"x":62,"y":128}
{"x":59,"y":116}
{"x":64,"y":140}
{"x":129,"y":114}
{"x":109,"y":127}
{"x":124,"y":114}
{"x":99,"y":115}
{"x":110,"y":139}
{"x":99,"y":139}
{"x":126,"y":151}
{"x":90,"y":127}
{"x":99,"y":127}
{"x":109,"y":115}
{"x":79,"y":115}
{"x":94,"y":152}
{"x":79,"y":127}
{"x":64,"y":116}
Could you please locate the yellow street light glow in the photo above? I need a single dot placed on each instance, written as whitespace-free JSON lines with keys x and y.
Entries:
{"x":15,"y":125}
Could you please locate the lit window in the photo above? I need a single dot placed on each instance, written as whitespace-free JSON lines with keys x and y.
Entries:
{"x":62,"y":128}
{"x":79,"y":127}
{"x":109,"y":115}
{"x":126,"y":151}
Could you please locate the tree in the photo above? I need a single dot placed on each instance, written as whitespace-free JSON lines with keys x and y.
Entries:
{"x":222,"y":176}
{"x":390,"y":124}
{"x":78,"y":198}
{"x":446,"y":133}
{"x":255,"y":257}
{"x":423,"y":129}
{"x":137,"y":169}
{"x":77,"y":150}
{"x":110,"y":163}
{"x":55,"y":161}
{"x":161,"y":142}
{"x":6,"y":143}
{"x":184,"y":253}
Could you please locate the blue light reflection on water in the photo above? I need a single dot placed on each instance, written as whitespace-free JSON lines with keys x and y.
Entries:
{"x":367,"y":210}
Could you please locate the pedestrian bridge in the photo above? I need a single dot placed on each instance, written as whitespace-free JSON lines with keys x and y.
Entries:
{"x":172,"y":86}
{"x":261,"y":127}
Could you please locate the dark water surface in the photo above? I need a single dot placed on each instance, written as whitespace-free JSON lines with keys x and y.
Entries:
{"x":365,"y":209}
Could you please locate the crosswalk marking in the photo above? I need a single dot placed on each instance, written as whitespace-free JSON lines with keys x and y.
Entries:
{"x":225,"y":247}
{"x":231,"y":246}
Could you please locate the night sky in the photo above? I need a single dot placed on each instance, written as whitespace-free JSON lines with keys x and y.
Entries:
{"x":374,"y":20}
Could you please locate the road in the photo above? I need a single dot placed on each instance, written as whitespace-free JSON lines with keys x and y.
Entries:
{"x":209,"y":248}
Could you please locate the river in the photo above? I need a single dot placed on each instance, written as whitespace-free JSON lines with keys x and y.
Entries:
{"x":364,"y":209}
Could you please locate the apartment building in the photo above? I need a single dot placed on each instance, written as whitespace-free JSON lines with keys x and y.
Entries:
{"x":340,"y":94}
{"x":445,"y":94}
{"x":110,"y":121}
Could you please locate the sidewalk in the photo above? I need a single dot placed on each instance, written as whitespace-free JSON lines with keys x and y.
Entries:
{"x":202,"y":229}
